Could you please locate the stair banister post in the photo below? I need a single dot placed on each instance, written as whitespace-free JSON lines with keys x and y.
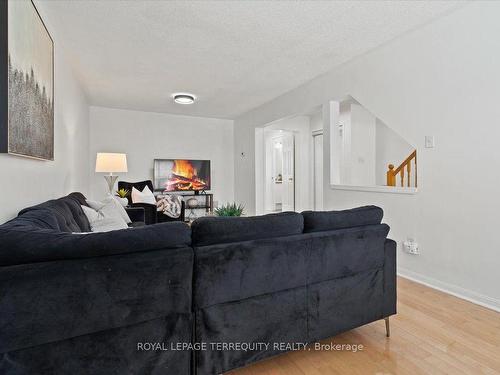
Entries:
{"x":391,"y":180}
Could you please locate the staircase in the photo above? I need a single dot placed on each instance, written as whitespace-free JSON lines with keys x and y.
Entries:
{"x":403,"y":173}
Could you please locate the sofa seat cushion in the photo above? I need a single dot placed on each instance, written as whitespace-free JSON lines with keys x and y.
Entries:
{"x":217,"y":230}
{"x":316,"y":221}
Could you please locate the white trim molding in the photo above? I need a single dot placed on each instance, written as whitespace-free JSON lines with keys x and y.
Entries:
{"x":377,"y":189}
{"x":317,"y":132}
{"x":454,"y":290}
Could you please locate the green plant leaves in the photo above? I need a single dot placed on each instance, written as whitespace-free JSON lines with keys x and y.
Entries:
{"x":230,"y":209}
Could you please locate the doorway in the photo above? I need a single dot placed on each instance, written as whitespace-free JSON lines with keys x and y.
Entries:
{"x":285,"y":166}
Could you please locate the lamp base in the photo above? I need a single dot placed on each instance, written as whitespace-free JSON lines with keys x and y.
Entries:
{"x":110,"y":179}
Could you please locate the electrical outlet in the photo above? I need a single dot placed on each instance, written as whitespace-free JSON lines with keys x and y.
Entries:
{"x":411,"y":246}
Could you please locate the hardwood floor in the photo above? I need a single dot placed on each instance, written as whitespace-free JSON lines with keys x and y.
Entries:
{"x":433,"y":333}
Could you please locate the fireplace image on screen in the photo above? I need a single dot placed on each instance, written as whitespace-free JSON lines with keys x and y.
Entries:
{"x":181,"y":175}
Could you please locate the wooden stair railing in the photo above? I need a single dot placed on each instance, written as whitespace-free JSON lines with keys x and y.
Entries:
{"x":405,"y":165}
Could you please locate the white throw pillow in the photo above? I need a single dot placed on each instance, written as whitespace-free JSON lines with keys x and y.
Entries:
{"x":119,"y":208}
{"x":106,"y":219}
{"x":144,"y":196}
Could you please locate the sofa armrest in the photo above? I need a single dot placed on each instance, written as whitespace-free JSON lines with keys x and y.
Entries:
{"x":318,"y":221}
{"x":150,"y":212}
{"x":390,"y":277}
{"x":20,"y":246}
{"x":136,"y":214}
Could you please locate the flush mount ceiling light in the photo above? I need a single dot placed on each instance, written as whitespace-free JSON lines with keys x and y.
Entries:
{"x":184,"y":98}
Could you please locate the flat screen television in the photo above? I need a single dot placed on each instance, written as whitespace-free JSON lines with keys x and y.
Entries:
{"x":181,"y":175}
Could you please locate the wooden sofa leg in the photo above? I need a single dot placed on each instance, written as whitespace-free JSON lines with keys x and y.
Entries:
{"x":387,"y":327}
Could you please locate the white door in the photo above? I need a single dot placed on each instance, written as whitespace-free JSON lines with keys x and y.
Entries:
{"x":288,"y":201}
{"x":268,"y":174}
{"x":277,"y":174}
{"x":318,"y":171}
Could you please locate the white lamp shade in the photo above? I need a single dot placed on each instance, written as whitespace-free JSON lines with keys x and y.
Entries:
{"x":109,"y":162}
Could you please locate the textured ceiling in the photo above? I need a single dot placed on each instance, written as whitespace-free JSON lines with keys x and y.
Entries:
{"x":234,"y":55}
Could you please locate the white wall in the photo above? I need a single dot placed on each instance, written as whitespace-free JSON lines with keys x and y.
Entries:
{"x":364,"y":147}
{"x":363,"y":143}
{"x":316,"y":121}
{"x":428,"y":82}
{"x":144,"y":136}
{"x":341,"y":145}
{"x":26,"y":181}
{"x":391,"y":149}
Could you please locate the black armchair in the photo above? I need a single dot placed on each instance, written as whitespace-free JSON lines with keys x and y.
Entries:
{"x":151,"y":216}
{"x":149,"y":209}
{"x":137,"y":215}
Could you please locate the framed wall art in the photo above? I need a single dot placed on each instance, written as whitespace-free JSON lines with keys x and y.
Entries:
{"x":26,"y":82}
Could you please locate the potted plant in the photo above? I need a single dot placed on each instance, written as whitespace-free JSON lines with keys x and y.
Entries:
{"x":122,"y":196}
{"x":230,"y":209}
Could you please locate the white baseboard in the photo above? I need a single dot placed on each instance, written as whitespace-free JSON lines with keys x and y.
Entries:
{"x":457,"y":291}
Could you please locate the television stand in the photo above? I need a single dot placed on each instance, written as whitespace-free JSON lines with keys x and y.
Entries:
{"x":207,"y":205}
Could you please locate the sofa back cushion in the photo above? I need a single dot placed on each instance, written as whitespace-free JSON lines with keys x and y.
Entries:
{"x":318,"y":221}
{"x":21,"y":244}
{"x":234,"y":271}
{"x":64,"y":215}
{"x":217,"y":230}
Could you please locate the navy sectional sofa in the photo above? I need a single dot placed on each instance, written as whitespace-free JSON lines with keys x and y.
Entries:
{"x":80,"y":303}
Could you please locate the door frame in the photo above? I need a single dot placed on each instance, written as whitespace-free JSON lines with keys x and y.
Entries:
{"x":315,"y":133}
{"x":292,"y":135}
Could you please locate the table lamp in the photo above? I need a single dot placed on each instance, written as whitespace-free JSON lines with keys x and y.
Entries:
{"x":110,"y":163}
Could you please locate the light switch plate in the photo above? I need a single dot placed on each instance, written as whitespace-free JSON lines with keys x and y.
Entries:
{"x":429,"y":141}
